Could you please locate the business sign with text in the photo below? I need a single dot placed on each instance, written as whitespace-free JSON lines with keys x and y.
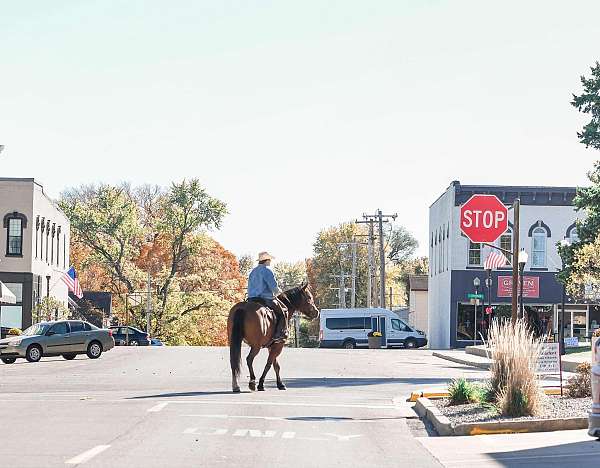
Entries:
{"x":531,"y":286}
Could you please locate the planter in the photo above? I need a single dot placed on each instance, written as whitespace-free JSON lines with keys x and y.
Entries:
{"x":374,"y":342}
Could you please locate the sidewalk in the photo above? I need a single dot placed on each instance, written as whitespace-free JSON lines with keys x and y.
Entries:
{"x":475,"y":356}
{"x":547,"y":449}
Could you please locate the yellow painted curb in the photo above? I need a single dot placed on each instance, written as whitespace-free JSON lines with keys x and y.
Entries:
{"x":414,"y":396}
{"x":479,"y":431}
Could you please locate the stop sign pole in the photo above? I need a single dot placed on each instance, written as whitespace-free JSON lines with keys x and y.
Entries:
{"x":484,"y":218}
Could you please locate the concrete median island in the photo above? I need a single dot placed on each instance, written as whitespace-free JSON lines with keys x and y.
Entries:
{"x":476,"y":419}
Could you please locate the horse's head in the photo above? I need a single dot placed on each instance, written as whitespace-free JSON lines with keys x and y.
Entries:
{"x":307,"y":304}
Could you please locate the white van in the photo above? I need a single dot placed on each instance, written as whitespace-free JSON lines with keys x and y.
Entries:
{"x":348,"y":328}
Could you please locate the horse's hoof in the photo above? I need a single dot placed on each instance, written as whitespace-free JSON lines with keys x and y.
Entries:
{"x":237,"y":390}
{"x":252,"y":386}
{"x":281,"y":387}
{"x":261,"y":388}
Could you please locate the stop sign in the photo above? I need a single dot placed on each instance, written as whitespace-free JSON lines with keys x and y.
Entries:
{"x":483,"y":218}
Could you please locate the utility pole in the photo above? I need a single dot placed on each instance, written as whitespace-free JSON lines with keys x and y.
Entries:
{"x":380,"y":218}
{"x":341,"y":289}
{"x":371,"y":288}
{"x":148,"y":304}
{"x":353,"y":275}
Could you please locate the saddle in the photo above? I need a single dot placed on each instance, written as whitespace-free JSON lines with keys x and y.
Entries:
{"x":259,"y":300}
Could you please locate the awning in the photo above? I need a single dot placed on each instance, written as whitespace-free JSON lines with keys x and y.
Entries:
{"x":6,"y":295}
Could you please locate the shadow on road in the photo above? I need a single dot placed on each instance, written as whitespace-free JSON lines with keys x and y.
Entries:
{"x":581,"y":454}
{"x":185,"y":394}
{"x":310,"y":382}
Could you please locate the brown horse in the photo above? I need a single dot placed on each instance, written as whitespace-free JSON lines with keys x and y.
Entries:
{"x":255,"y":325}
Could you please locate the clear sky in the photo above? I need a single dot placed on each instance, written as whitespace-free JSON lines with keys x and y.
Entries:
{"x":298,"y":114}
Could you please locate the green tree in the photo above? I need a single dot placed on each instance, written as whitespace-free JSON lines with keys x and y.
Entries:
{"x":290,"y":274}
{"x":588,"y":102}
{"x":402,"y":245}
{"x":330,"y":259}
{"x":413,"y":266}
{"x":130,"y":231}
{"x":579,"y":266}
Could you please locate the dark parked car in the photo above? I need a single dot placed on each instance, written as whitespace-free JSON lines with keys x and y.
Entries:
{"x":130,"y":336}
{"x":66,"y":338}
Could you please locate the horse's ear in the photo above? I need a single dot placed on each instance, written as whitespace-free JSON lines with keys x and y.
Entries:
{"x":304,"y":285}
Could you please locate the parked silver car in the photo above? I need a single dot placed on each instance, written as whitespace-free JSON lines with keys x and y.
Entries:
{"x":66,"y":338}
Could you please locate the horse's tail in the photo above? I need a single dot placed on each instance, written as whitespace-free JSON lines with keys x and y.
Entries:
{"x":235,"y":341}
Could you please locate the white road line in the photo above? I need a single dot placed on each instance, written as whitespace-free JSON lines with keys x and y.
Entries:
{"x":158,"y":407}
{"x":88,"y":455}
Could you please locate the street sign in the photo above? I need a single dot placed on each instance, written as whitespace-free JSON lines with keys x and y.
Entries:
{"x":483,"y":218}
{"x":474,"y":296}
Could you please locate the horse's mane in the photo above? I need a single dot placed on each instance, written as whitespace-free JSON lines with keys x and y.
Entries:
{"x":291,"y":297}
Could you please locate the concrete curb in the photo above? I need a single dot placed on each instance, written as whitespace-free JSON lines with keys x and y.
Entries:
{"x":464,"y":362}
{"x":426,"y":409}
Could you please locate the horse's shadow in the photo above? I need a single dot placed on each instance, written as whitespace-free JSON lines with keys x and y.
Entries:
{"x":183,"y":394}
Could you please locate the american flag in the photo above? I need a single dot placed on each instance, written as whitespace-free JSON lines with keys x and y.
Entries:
{"x":494,"y":260}
{"x":70,"y":279}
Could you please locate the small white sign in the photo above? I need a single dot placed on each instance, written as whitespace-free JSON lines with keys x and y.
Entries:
{"x":549,"y":360}
{"x":572,"y":342}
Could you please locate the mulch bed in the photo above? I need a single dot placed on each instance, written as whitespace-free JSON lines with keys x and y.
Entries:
{"x":552,"y":407}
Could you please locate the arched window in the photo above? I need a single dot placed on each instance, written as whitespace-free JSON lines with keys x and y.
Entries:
{"x":14,"y":223}
{"x":572,"y":234}
{"x":539,"y":237}
{"x":505,"y":243}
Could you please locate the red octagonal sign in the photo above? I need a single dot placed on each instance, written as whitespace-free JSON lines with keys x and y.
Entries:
{"x":483,"y":218}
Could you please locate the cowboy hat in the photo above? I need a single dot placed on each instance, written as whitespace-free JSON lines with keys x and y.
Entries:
{"x":265,"y":256}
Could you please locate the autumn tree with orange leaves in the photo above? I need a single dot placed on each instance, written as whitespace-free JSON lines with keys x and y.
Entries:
{"x":119,"y":233}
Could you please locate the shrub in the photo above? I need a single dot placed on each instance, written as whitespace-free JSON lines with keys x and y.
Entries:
{"x":14,"y":332}
{"x":462,"y":392}
{"x":580,"y":385}
{"x":513,"y":381}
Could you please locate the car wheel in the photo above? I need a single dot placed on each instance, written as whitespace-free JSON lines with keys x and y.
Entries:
{"x":349,"y":344}
{"x":133,"y":343}
{"x":410,"y":343}
{"x":34,"y":353}
{"x":9,"y":360}
{"x":94,"y":350}
{"x":69,"y":356}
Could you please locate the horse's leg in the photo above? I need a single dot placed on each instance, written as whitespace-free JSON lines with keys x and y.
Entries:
{"x":249,"y":360}
{"x":261,"y":382}
{"x":276,"y":366}
{"x":274,"y":351}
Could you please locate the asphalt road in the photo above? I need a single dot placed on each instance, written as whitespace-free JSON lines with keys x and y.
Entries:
{"x":171,"y":407}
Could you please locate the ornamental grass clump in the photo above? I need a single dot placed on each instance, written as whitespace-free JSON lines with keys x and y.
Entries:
{"x":513,"y":381}
{"x":462,"y":392}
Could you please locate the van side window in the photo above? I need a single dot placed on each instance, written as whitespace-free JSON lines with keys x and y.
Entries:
{"x":336,"y":323}
{"x":349,"y":323}
{"x":356,"y":323}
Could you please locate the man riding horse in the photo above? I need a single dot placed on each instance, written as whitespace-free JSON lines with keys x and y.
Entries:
{"x":263,"y":288}
{"x":261,"y":322}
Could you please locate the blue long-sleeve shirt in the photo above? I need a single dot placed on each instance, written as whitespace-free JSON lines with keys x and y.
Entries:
{"x":262,"y":283}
